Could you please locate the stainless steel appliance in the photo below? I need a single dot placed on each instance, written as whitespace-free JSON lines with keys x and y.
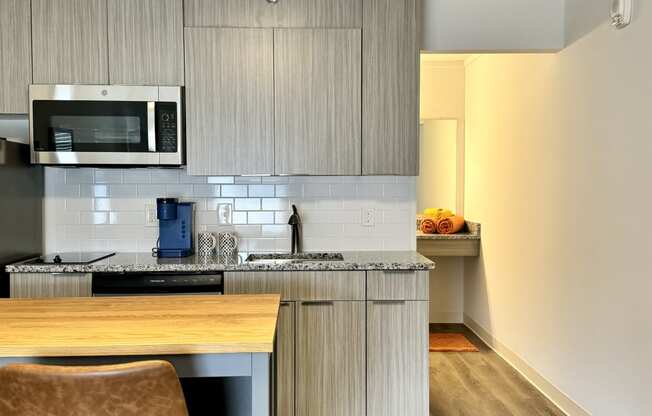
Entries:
{"x":71,"y":258}
{"x":21,"y":208}
{"x":106,"y":125}
{"x":162,"y":283}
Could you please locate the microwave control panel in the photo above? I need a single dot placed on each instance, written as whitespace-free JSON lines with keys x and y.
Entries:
{"x":166,"y":127}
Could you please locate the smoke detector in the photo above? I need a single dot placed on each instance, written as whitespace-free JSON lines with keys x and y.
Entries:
{"x":621,"y":13}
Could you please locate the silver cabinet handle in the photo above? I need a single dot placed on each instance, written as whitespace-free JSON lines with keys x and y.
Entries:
{"x":317,"y":302}
{"x":389,"y":302}
{"x":151,"y":126}
{"x":272,"y":1}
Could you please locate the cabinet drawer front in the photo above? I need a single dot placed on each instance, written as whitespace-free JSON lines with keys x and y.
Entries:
{"x":298,"y":285}
{"x":50,"y":285}
{"x":397,"y":285}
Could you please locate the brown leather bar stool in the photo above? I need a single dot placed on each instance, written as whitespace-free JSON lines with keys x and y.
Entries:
{"x":147,"y":388}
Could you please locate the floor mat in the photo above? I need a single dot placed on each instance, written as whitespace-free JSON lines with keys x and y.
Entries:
{"x":450,"y":342}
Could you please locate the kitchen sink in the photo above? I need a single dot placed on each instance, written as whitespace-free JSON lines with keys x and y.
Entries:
{"x":281,"y":258}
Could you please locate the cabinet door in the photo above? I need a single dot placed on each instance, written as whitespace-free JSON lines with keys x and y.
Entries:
{"x":390,"y":85}
{"x":15,"y":58}
{"x":145,"y":42}
{"x":285,"y":13}
{"x":69,"y":41}
{"x":397,"y":358}
{"x":317,"y":109}
{"x":285,"y":341}
{"x":330,"y":359}
{"x":229,"y":101}
{"x":50,"y":285}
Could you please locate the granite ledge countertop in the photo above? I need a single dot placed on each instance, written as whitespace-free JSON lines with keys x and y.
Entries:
{"x":472,"y":232}
{"x":144,"y":262}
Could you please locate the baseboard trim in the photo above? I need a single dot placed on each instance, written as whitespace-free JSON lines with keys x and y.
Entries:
{"x":446,"y":317}
{"x":561,"y":400}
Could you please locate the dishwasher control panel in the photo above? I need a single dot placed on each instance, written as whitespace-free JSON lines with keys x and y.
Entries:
{"x":145,"y":283}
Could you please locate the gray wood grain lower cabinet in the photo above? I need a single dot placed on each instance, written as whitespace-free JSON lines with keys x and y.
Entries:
{"x":229,"y":101}
{"x":397,"y":358}
{"x":145,"y":42}
{"x":294,"y":286}
{"x":285,"y":353}
{"x":317,"y":79}
{"x":50,"y":285}
{"x":285,"y":13}
{"x":390,"y":88}
{"x":330,"y":359}
{"x":398,"y":285}
{"x":69,"y":42}
{"x":15,"y":56}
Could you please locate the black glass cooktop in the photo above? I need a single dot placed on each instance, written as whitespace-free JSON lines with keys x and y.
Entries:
{"x":73,"y":258}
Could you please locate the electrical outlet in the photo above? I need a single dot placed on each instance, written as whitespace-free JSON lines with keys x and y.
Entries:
{"x":225,"y":214}
{"x":150,"y":216}
{"x":368,"y":217}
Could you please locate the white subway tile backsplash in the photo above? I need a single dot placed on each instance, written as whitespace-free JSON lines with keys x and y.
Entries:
{"x":260,"y":217}
{"x":275,"y":204}
{"x":104,"y":209}
{"x":77,"y":176}
{"x":239,"y":217}
{"x":206,"y":191}
{"x":151,"y":191}
{"x":180,"y":191}
{"x":79,"y":204}
{"x":236,"y":191}
{"x":127,"y":217}
{"x":94,"y":191}
{"x":261,"y":190}
{"x":247,"y":180}
{"x":136,"y":176}
{"x":123,"y":191}
{"x":212,"y":203}
{"x":220,"y":179}
{"x":247,"y":204}
{"x":94,"y":218}
{"x":165,"y":176}
{"x":108,"y":176}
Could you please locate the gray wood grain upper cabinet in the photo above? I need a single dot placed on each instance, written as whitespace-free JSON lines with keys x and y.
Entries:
{"x":397,"y":358}
{"x":50,"y":285}
{"x":15,"y":58}
{"x":390,"y":88}
{"x":285,"y":367}
{"x":145,"y":42}
{"x":317,"y":75}
{"x":330,"y":359}
{"x":69,"y":41}
{"x":229,"y":101}
{"x":285,"y":13}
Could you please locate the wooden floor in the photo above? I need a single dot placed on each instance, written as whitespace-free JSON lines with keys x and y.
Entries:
{"x":480,"y":384}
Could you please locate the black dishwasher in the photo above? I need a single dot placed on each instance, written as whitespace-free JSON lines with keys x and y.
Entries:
{"x":158,"y":283}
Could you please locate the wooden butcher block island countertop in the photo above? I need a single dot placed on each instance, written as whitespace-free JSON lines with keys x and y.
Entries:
{"x":153,"y":325}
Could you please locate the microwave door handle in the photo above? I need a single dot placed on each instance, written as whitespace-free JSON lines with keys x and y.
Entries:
{"x":151,"y":126}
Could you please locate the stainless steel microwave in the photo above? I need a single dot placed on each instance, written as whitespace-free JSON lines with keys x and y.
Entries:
{"x":106,"y":125}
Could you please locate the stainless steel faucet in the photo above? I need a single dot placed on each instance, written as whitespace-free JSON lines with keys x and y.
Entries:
{"x":295,"y":223}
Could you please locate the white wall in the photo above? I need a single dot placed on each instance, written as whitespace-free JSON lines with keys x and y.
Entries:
{"x":104,"y":209}
{"x":497,"y":25}
{"x":583,"y":16}
{"x":559,"y":152}
{"x":442,"y":97}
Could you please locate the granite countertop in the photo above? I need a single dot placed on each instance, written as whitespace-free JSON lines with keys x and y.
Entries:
{"x":472,"y":232}
{"x":144,"y":262}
